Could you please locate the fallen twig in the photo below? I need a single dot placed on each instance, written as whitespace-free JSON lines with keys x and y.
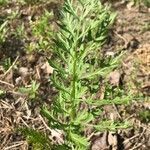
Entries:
{"x":11,"y":66}
{"x":6,"y":83}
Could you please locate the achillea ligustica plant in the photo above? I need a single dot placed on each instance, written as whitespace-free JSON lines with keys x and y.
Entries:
{"x":76,"y":60}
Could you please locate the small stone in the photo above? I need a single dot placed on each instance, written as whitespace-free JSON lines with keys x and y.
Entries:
{"x":23,"y":71}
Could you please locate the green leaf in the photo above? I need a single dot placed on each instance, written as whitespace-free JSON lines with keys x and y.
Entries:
{"x":38,"y":139}
{"x":144,"y":115}
{"x":111,"y":125}
{"x":55,"y":66}
{"x":58,"y":85}
{"x":3,"y":25}
{"x":1,"y":92}
{"x":64,"y":28}
{"x":101,"y":72}
{"x":61,"y":147}
{"x":79,"y":140}
{"x":54,"y":122}
{"x":61,"y":45}
{"x":68,"y":7}
{"x":117,"y":100}
{"x":83,"y":117}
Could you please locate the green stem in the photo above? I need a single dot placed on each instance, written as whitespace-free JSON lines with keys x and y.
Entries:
{"x":74,"y":74}
{"x":73,"y":94}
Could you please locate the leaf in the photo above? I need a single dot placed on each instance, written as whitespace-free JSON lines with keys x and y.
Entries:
{"x":54,"y":122}
{"x":114,"y":78}
{"x":83,"y":118}
{"x":3,"y":25}
{"x":57,"y":84}
{"x":79,"y":140}
{"x":61,"y":147}
{"x":81,"y":92}
{"x":39,"y":140}
{"x":100,"y":72}
{"x":62,"y":44}
{"x":69,"y":8}
{"x":111,"y":125}
{"x":55,"y":66}
{"x":24,"y":90}
{"x":96,"y":111}
{"x":117,"y":100}
{"x":1,"y":92}
{"x":63,"y":27}
{"x":47,"y":68}
{"x":46,"y":113}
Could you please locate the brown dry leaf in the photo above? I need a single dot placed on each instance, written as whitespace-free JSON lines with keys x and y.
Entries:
{"x":114,"y":78}
{"x":47,"y":68}
{"x":105,"y":141}
{"x":1,"y":70}
{"x":146,"y":104}
{"x":9,"y":77}
{"x":112,"y":140}
{"x":24,"y":73}
{"x":57,"y":136}
{"x":101,"y":93}
{"x":130,"y":5}
{"x":100,"y":142}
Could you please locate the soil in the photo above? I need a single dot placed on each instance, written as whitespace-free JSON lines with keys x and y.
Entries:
{"x":130,"y":34}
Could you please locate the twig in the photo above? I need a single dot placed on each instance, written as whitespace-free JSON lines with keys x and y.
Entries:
{"x":129,"y":117}
{"x":121,"y":37}
{"x":16,"y":93}
{"x":15,"y":145}
{"x":116,"y":109}
{"x":137,"y":147}
{"x":37,"y":71}
{"x":142,"y":133}
{"x":133,"y":137}
{"x":47,"y":127}
{"x":11,"y":66}
{"x":5,"y":105}
{"x":24,"y":122}
{"x":6,"y":83}
{"x":55,"y":133}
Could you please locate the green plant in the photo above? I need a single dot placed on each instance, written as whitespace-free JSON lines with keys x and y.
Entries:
{"x":1,"y":92}
{"x":3,"y":2}
{"x":41,"y":26}
{"x":37,"y":138}
{"x":146,"y":27}
{"x":147,"y":3}
{"x":42,"y":31}
{"x":31,"y":47}
{"x":7,"y":63}
{"x":77,"y":62}
{"x":31,"y":91}
{"x":13,"y":15}
{"x":139,"y":2}
{"x":20,"y":31}
{"x":3,"y":31}
{"x":34,"y":2}
{"x":145,"y":115}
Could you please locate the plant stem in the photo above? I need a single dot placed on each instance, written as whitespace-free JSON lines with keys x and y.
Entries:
{"x":73,"y":94}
